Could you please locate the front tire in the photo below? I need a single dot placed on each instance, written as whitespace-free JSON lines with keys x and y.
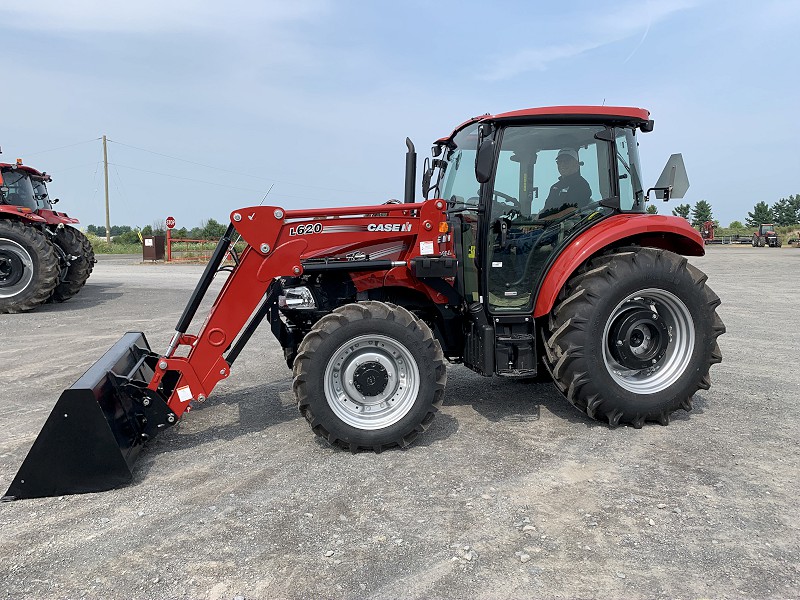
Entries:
{"x":28,"y":267}
{"x":369,"y":376}
{"x":633,"y":336}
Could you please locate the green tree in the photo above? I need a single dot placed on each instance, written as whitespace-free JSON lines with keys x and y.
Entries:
{"x":126,"y":237}
{"x":652,"y":209}
{"x":682,"y":210}
{"x":119,"y":230}
{"x":179,"y":233}
{"x":212,"y":230}
{"x":701,"y":213}
{"x":93,"y":229}
{"x":736,"y":225}
{"x":147,"y":230}
{"x":786,"y":211}
{"x":761,"y":213}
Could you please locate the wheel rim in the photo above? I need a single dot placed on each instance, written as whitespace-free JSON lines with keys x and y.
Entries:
{"x":16,"y":268}
{"x":648,"y":341}
{"x":371,"y":381}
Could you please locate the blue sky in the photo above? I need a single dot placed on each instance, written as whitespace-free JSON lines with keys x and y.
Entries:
{"x":315,"y":98}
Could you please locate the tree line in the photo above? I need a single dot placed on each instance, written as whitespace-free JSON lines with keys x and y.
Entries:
{"x":125,"y":234}
{"x":785,"y":212}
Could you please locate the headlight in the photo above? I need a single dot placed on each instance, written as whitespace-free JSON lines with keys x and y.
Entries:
{"x":297,"y":298}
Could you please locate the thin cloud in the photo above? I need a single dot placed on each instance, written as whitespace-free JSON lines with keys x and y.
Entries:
{"x":623,"y":23}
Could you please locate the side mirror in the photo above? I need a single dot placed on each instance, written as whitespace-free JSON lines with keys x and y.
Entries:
{"x":484,"y":160}
{"x":673,"y":182}
{"x":427,"y":173}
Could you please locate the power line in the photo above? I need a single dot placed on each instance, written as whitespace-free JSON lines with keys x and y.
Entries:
{"x":59,"y":148}
{"x":218,"y":168}
{"x":225,"y":185}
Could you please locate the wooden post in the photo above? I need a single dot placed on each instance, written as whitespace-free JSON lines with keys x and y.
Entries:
{"x":108,"y":216}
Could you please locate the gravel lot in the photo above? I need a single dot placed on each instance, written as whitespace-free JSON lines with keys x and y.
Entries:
{"x":510,"y":494}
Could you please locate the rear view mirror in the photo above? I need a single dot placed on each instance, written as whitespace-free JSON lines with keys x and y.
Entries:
{"x":673,"y":182}
{"x":484,"y":160}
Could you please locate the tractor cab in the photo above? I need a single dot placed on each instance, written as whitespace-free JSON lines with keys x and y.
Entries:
{"x":16,"y":187}
{"x":521,"y":187}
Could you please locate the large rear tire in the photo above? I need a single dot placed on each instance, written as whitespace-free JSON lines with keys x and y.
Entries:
{"x":633,"y":335}
{"x":28,"y":267}
{"x":369,"y":376}
{"x":88,"y":250}
{"x":78,"y":269}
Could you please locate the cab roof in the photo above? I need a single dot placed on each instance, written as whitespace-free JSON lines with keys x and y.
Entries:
{"x":638,"y":117}
{"x":29,"y":170}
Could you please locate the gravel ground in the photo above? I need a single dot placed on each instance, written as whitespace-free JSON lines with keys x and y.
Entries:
{"x":511,"y":493}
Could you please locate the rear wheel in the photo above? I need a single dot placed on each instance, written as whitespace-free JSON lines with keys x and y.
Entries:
{"x":88,"y":250}
{"x":28,"y":267}
{"x":369,"y":375}
{"x":79,"y":267}
{"x":633,"y":336}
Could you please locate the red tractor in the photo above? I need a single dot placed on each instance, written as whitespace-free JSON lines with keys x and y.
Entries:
{"x":533,"y":258}
{"x":43,"y":257}
{"x":766,"y":236}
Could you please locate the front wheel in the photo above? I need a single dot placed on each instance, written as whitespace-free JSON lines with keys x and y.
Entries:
{"x":369,"y":375}
{"x":633,"y":336}
{"x":28,"y":267}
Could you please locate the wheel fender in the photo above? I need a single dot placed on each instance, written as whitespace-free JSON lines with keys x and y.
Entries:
{"x":655,"y":231}
{"x":55,"y":218}
{"x":18,"y":212}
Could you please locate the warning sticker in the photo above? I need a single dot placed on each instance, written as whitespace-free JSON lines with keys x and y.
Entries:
{"x":184,"y":393}
{"x":497,"y":263}
{"x":426,"y":248}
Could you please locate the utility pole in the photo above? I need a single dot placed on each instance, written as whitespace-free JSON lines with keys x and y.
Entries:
{"x":105,"y":166}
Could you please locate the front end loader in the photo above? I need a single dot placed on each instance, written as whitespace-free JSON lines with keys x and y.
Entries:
{"x":513,"y":267}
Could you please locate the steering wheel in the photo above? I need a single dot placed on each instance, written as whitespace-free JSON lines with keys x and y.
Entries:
{"x":511,"y":199}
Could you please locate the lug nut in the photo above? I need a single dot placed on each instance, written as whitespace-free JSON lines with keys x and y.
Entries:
{"x":201,"y":398}
{"x":146,"y":402}
{"x":171,"y":418}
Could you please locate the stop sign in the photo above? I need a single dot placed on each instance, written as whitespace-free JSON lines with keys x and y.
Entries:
{"x":170,"y":222}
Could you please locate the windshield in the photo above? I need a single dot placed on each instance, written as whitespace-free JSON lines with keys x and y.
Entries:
{"x":631,"y":191}
{"x":40,"y":194}
{"x":17,"y":189}
{"x":457,"y":181}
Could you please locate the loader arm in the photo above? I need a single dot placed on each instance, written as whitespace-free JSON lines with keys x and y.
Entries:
{"x":278,"y":242}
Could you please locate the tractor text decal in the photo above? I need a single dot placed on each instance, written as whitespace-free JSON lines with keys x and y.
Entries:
{"x":305,"y":229}
{"x":389,"y":227}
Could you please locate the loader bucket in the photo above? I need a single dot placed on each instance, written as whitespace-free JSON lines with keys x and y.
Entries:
{"x":98,"y":427}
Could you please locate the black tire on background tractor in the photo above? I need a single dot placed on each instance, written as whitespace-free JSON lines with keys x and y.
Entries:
{"x":28,"y":267}
{"x":369,"y":375}
{"x":69,"y":240}
{"x":88,"y":250}
{"x":633,"y":335}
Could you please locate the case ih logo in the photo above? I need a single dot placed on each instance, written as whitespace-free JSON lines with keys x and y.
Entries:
{"x":389,"y":227}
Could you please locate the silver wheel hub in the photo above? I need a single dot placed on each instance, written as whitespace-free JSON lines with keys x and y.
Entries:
{"x":16,"y":268}
{"x":649,"y":339}
{"x":371,"y":382}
